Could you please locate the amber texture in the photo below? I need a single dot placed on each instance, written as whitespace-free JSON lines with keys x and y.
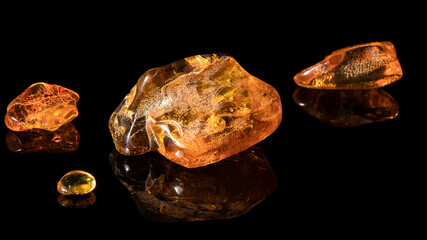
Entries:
{"x":196,"y":111}
{"x":347,"y":108}
{"x":77,"y":201}
{"x":165,"y":191}
{"x":363,"y":66}
{"x":76,"y":182}
{"x":42,"y":106}
{"x":64,"y":139}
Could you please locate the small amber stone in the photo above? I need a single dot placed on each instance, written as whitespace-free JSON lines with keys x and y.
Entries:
{"x":42,"y":106}
{"x":165,"y":191}
{"x":364,"y":66}
{"x":347,"y":108}
{"x":64,"y":139}
{"x":196,"y":111}
{"x":76,"y":182}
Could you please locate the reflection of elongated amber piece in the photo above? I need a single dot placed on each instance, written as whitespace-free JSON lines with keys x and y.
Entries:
{"x":196,"y":111}
{"x":347,"y":108}
{"x":165,"y":191}
{"x":363,"y":66}
{"x":64,"y":139}
{"x":42,"y":106}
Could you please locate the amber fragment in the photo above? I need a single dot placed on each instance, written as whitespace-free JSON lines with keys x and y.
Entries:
{"x":165,"y":191}
{"x":196,"y":111}
{"x":77,"y":201}
{"x":42,"y":106}
{"x":364,"y":66}
{"x":347,"y":108}
{"x":76,"y":182}
{"x":64,"y":139}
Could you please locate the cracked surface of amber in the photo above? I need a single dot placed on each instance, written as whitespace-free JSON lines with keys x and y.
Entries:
{"x":64,"y":139}
{"x":196,"y":111}
{"x":165,"y":191}
{"x":363,"y":66}
{"x":76,"y":182}
{"x":42,"y":106}
{"x":347,"y":108}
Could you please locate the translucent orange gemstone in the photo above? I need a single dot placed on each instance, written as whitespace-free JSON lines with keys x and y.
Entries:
{"x":42,"y":106}
{"x":76,"y":182}
{"x":364,"y":66}
{"x":196,"y":111}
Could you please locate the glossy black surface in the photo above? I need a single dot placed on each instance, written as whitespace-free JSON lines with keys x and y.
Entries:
{"x":332,"y":182}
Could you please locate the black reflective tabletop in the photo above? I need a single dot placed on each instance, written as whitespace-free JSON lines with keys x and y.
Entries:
{"x":331,"y":181}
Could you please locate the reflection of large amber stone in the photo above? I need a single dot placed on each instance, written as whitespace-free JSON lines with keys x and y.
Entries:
{"x":165,"y":191}
{"x":347,"y":108}
{"x":42,"y":106}
{"x":64,"y":139}
{"x":196,"y":111}
{"x":363,"y":66}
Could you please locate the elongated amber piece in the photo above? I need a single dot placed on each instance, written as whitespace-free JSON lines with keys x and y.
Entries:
{"x":76,"y":182}
{"x":42,"y":106}
{"x":347,"y":108}
{"x":364,"y":66}
{"x":64,"y":139}
{"x":196,"y":111}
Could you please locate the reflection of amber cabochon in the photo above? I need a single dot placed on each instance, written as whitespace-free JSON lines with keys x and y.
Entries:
{"x":196,"y":111}
{"x":42,"y":106}
{"x":363,"y":66}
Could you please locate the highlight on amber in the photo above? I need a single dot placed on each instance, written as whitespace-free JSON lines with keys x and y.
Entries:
{"x":347,"y":108}
{"x":165,"y":191}
{"x":42,"y":106}
{"x":363,"y":66}
{"x":196,"y":111}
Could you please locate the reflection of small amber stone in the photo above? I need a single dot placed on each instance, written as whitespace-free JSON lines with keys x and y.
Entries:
{"x":64,"y":139}
{"x":165,"y":191}
{"x":42,"y":106}
{"x":196,"y":111}
{"x":347,"y":108}
{"x":363,"y":66}
{"x":76,"y":182}
{"x":77,"y":201}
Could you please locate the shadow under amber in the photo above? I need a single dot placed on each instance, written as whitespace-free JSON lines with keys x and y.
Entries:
{"x":165,"y":191}
{"x":347,"y":108}
{"x":64,"y":139}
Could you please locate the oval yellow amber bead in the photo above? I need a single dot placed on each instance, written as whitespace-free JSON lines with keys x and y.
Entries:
{"x":76,"y":182}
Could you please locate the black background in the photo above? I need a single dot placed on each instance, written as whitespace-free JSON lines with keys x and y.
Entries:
{"x":333,"y":182}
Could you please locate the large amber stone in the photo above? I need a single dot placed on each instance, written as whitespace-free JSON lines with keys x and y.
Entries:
{"x":64,"y":139}
{"x":347,"y":108}
{"x":364,"y":66}
{"x":165,"y":191}
{"x":42,"y":106}
{"x":196,"y":111}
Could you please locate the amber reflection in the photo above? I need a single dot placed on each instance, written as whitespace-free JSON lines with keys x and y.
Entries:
{"x":64,"y":139}
{"x":165,"y":191}
{"x":347,"y":108}
{"x":77,"y":201}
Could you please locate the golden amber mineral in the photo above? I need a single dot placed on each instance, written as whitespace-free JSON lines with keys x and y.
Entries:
{"x":76,"y":182}
{"x":364,"y":66}
{"x":347,"y":108}
{"x":196,"y":111}
{"x":42,"y":106}
{"x":165,"y":191}
{"x":64,"y":139}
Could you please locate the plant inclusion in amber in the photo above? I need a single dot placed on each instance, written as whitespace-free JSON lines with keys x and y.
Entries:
{"x":364,"y":66}
{"x":196,"y":111}
{"x":42,"y":106}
